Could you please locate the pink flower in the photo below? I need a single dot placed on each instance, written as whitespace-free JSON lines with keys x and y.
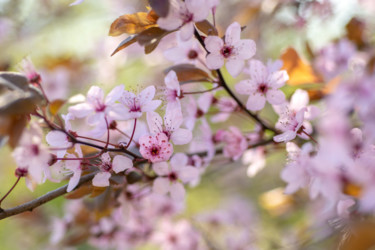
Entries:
{"x":28,"y":68}
{"x":74,"y":166}
{"x":256,"y":160}
{"x":294,"y":117}
{"x":235,"y":51}
{"x":120,"y":163}
{"x":183,"y":15}
{"x":171,"y":127}
{"x":155,"y":148}
{"x":135,"y":105}
{"x":171,"y":174}
{"x":235,"y":143}
{"x":185,"y":52}
{"x":96,"y":107}
{"x":58,"y":139}
{"x":262,"y":86}
{"x":226,"y":106}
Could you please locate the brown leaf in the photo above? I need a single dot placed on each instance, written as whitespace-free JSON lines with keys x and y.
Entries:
{"x":151,"y":37}
{"x":299,"y":71}
{"x":80,"y":192}
{"x":133,"y":23}
{"x":355,"y":31}
{"x":360,"y":236}
{"x":55,"y":106}
{"x":11,"y":128}
{"x":128,"y":41}
{"x":207,"y":28}
{"x":96,"y":191}
{"x":189,"y":73}
{"x":161,"y":7}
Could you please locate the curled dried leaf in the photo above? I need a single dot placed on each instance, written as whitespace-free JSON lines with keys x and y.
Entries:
{"x":133,"y":23}
{"x":189,"y":73}
{"x":128,"y":41}
{"x":207,"y":28}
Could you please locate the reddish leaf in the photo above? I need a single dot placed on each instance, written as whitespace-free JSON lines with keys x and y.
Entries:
{"x":207,"y":28}
{"x":161,"y":7}
{"x":355,"y":31}
{"x":151,"y":37}
{"x":133,"y":23}
{"x":128,"y":41}
{"x":189,"y":73}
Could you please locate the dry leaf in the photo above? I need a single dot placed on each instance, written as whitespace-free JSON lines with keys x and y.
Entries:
{"x":133,"y":23}
{"x":80,"y":192}
{"x":355,"y":31}
{"x":299,"y":71}
{"x":55,"y":106}
{"x":189,"y":73}
{"x":207,"y":28}
{"x":96,"y":191}
{"x":360,"y":236}
{"x":128,"y":41}
{"x":151,"y":37}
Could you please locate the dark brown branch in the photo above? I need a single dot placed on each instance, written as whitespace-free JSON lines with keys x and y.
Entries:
{"x":229,"y":91}
{"x":29,"y":206}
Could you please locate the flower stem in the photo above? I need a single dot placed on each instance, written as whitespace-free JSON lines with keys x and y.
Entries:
{"x":10,"y":190}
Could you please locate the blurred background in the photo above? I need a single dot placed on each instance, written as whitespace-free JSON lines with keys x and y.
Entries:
{"x":70,"y":47}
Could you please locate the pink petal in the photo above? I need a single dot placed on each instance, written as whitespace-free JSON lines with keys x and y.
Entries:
{"x":171,"y":81}
{"x":81,"y":110}
{"x":284,"y":137}
{"x":173,"y":119}
{"x":258,"y":71}
{"x":114,"y":95}
{"x":213,"y":44}
{"x":155,"y":123}
{"x":177,"y":191}
{"x":245,"y":49}
{"x":300,"y":99}
{"x":256,"y":102}
{"x":121,"y":163}
{"x":245,"y":87}
{"x":127,"y":98}
{"x":233,"y":33}
{"x":188,"y":173}
{"x":179,"y":160}
{"x":147,"y":94}
{"x":175,"y":54}
{"x":94,"y":95}
{"x":277,"y":79}
{"x":161,"y":168}
{"x":161,"y":186}
{"x":101,"y":179}
{"x":235,"y":66}
{"x":199,"y":8}
{"x":181,"y":136}
{"x":73,"y":182}
{"x":214,"y":61}
{"x":151,"y":106}
{"x":275,"y":97}
{"x":187,"y":31}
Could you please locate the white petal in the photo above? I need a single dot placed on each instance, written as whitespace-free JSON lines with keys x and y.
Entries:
{"x":147,"y":94}
{"x":171,"y":81}
{"x":81,"y":110}
{"x":199,"y":9}
{"x":256,"y":102}
{"x":213,"y":44}
{"x":73,"y":182}
{"x":181,"y":136}
{"x":161,"y":186}
{"x":214,"y":61}
{"x":177,"y":191}
{"x":233,"y":33}
{"x":94,"y":95}
{"x":275,"y":97}
{"x":101,"y":179}
{"x":235,"y":66}
{"x":299,"y":99}
{"x":121,"y":163}
{"x":161,"y":168}
{"x":245,"y":87}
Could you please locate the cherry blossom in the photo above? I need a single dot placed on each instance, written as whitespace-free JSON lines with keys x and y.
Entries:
{"x":58,"y":139}
{"x":171,"y":174}
{"x":235,"y":142}
{"x":155,"y":148}
{"x":171,"y":127}
{"x":184,"y":52}
{"x":183,"y":15}
{"x":262,"y":86}
{"x":96,"y":107}
{"x":234,"y":50}
{"x":255,"y":159}
{"x":172,"y":92}
{"x":135,"y":105}
{"x":294,"y":117}
{"x":120,"y":163}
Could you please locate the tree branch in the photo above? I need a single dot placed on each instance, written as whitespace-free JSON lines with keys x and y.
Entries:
{"x":229,"y":91}
{"x":29,"y":206}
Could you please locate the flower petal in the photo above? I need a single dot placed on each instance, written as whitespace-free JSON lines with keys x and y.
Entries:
{"x":121,"y":163}
{"x":181,"y":136}
{"x":161,"y":168}
{"x":214,"y":61}
{"x":233,"y":33}
{"x":177,"y":191}
{"x":256,"y":102}
{"x":101,"y":179}
{"x":161,"y":186}
{"x":235,"y":66}
{"x":213,"y":44}
{"x":275,"y":97}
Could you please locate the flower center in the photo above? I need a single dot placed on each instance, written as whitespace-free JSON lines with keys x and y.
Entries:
{"x":262,"y":88}
{"x":154,"y":150}
{"x":227,"y":51}
{"x":107,"y":167}
{"x":172,"y":176}
{"x":21,"y":172}
{"x":35,"y":149}
{"x":192,"y":54}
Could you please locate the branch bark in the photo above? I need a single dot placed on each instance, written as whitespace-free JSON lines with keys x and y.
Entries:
{"x":29,"y":206}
